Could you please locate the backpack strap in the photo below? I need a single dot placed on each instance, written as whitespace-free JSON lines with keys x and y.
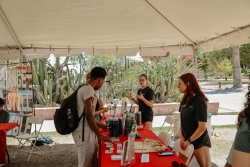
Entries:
{"x":83,"y":127}
{"x":83,"y":114}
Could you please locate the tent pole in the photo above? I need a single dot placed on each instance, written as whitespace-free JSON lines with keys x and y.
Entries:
{"x":11,"y":29}
{"x":195,"y":60}
{"x":21,"y":56}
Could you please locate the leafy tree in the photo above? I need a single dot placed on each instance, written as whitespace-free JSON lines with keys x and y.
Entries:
{"x":226,"y":67}
{"x":218,"y":55}
{"x":203,"y":63}
{"x":245,"y":57}
{"x":211,"y":60}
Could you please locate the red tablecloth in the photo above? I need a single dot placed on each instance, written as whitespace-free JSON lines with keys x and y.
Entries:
{"x":4,"y":128}
{"x":154,"y":159}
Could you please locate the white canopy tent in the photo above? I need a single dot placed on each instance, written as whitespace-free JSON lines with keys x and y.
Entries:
{"x":37,"y":28}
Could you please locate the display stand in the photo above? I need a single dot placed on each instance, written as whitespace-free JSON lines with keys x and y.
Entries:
{"x":128,"y":156}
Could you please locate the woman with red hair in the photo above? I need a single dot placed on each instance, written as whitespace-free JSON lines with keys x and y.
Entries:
{"x":193,"y":111}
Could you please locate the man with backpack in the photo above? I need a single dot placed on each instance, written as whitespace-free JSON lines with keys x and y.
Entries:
{"x":87,"y":144}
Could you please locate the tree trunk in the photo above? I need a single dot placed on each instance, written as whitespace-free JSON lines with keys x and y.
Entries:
{"x":58,"y":78}
{"x":205,"y":73}
{"x":236,"y":68}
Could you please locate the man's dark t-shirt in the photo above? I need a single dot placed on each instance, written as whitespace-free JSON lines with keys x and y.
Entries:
{"x":190,"y":116}
{"x":146,"y":111}
{"x":4,"y":116}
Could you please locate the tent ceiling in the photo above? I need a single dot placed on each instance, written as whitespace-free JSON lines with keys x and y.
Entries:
{"x":153,"y":27}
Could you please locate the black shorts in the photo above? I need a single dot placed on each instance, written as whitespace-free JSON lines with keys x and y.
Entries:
{"x":203,"y":140}
{"x":147,"y":116}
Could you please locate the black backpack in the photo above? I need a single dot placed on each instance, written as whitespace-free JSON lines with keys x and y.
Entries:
{"x":66,"y":118}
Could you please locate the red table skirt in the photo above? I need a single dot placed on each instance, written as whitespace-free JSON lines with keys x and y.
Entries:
{"x":154,"y":159}
{"x":4,"y":128}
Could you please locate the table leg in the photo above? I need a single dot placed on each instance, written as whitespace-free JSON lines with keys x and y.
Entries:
{"x":8,"y":156}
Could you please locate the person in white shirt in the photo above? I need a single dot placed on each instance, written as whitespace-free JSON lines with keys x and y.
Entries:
{"x":87,"y":149}
{"x":100,"y":109}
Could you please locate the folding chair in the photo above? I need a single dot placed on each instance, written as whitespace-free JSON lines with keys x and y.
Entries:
{"x":165,"y":137}
{"x":168,"y":119}
{"x":187,"y":153}
{"x":26,"y":137}
{"x":175,"y":131}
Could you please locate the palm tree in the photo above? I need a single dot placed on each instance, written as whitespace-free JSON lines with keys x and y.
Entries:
{"x":236,"y":68}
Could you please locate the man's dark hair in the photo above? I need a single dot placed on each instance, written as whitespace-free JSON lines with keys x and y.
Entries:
{"x":98,"y":72}
{"x":2,"y":101}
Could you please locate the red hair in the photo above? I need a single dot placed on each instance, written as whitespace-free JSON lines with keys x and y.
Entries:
{"x":192,"y":88}
{"x":246,"y":112}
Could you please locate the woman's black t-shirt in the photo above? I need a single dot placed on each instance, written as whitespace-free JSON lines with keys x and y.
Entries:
{"x":190,"y":116}
{"x":146,"y":111}
{"x":97,"y":106}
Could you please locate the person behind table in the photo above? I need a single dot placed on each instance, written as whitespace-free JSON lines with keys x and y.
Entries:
{"x":193,"y":112}
{"x":4,"y":115}
{"x":87,"y":149}
{"x":99,"y":109}
{"x":241,"y":154}
{"x":145,"y":97}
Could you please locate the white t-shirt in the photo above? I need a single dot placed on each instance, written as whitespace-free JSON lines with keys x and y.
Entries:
{"x":83,"y":94}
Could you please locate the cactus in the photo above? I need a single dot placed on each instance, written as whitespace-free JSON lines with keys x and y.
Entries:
{"x":50,"y":91}
{"x":41,"y":74}
{"x":45,"y":91}
{"x":43,"y":85}
{"x":61,"y":93}
{"x":34,"y":74}
{"x":39,"y":95}
{"x":162,"y":76}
